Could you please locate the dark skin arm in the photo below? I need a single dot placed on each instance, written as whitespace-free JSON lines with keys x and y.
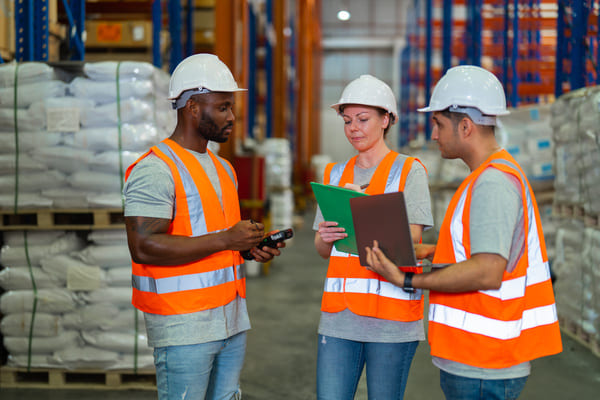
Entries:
{"x":149,"y":242}
{"x":483,"y":271}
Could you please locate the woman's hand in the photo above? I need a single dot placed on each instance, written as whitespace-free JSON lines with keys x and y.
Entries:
{"x":329,"y":232}
{"x":354,"y":187}
{"x":424,"y":251}
{"x":380,"y":264}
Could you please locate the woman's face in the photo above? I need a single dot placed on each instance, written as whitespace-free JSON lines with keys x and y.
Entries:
{"x":363,"y":126}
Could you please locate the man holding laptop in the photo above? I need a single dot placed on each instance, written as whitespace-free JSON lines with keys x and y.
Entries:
{"x":492,"y":309}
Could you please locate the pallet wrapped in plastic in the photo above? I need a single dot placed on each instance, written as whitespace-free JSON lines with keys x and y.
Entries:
{"x":67,"y":302}
{"x":67,"y":135}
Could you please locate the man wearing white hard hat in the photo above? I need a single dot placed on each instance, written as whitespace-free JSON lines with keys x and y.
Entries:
{"x":492,"y":309}
{"x":185,"y":233}
{"x":365,"y":321}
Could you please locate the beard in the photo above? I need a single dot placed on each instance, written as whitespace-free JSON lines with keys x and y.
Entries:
{"x":209,"y":130}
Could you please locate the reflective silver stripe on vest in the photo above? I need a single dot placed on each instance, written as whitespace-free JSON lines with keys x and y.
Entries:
{"x":493,"y":328}
{"x":227,"y":168}
{"x":393,"y":181}
{"x":369,"y":286}
{"x":197,"y":220}
{"x":456,"y":228}
{"x":336,"y":173}
{"x":173,"y":284}
{"x":538,"y":270}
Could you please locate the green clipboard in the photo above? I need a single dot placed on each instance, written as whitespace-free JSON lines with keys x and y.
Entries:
{"x":334,"y":202}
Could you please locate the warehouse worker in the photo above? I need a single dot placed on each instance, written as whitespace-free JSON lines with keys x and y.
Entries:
{"x":492,"y":310}
{"x":184,"y":233}
{"x":364,"y":319}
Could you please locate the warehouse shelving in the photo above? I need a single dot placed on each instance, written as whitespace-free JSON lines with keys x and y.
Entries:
{"x":578,"y":45}
{"x":515,"y":39}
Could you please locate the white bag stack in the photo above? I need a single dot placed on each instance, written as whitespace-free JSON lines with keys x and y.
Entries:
{"x":278,"y":170}
{"x":83,"y":316}
{"x":526,"y":133}
{"x":32,"y":324}
{"x":74,"y":137}
{"x":23,"y":130}
{"x":576,"y":124}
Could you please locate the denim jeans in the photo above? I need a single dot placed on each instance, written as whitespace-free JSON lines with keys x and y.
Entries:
{"x":461,"y":388}
{"x":200,"y":371}
{"x":340,"y":363}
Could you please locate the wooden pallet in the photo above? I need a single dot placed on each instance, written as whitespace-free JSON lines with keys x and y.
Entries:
{"x":575,"y":331}
{"x":40,"y":378}
{"x":61,"y":219}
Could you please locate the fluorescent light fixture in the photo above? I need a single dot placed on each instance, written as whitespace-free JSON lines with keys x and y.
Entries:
{"x":343,"y":15}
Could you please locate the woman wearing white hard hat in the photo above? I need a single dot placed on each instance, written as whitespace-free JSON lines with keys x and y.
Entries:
{"x":362,"y":323}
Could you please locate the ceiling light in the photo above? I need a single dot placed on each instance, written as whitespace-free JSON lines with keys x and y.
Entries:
{"x":343,"y":15}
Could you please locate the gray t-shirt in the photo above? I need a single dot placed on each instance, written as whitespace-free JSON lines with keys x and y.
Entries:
{"x":347,"y":325}
{"x":150,"y":192}
{"x":496,"y":226}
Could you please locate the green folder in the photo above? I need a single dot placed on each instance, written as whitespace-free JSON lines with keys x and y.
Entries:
{"x":334,"y":202}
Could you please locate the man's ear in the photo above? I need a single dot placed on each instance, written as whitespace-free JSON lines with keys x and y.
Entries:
{"x":465,"y":127}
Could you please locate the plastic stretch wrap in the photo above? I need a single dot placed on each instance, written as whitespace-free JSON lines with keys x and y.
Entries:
{"x":79,"y":315}
{"x":76,"y":132}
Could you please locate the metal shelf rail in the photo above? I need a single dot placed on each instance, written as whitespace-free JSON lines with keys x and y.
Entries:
{"x":578,"y":47}
{"x":31,"y":29}
{"x":31,"y":26}
{"x":515,"y":39}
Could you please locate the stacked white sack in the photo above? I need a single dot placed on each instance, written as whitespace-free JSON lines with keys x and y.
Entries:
{"x":23,"y":131}
{"x":21,"y":255}
{"x":278,"y":170}
{"x":88,"y":291}
{"x":71,"y":153}
{"x":125,"y":112}
{"x":576,"y":123}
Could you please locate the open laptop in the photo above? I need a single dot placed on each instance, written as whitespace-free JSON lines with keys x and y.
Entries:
{"x":383,"y":217}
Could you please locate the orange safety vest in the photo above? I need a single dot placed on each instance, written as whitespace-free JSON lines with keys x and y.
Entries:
{"x":350,"y":285}
{"x":212,"y":281}
{"x":495,"y":328}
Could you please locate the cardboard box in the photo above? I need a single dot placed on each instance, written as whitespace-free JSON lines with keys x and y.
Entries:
{"x":118,"y":34}
{"x":7,"y":29}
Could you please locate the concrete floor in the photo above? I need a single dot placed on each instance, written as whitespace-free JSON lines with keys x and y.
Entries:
{"x":281,"y":356}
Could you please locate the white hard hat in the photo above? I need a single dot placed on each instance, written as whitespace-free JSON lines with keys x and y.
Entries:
{"x":369,"y":91}
{"x":468,"y":86}
{"x":201,"y":71}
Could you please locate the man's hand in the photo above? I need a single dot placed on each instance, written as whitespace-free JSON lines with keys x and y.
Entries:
{"x":267,"y":253}
{"x":380,"y":264}
{"x":244,"y":235}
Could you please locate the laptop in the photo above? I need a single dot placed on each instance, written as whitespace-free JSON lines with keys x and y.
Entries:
{"x":383,"y":217}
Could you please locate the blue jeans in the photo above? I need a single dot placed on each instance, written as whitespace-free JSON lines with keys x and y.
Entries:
{"x":201,"y":371}
{"x":340,"y":363}
{"x":461,"y":388}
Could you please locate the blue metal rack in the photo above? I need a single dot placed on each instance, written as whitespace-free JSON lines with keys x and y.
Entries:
{"x":31,"y":29}
{"x":512,"y":38}
{"x":578,"y":47}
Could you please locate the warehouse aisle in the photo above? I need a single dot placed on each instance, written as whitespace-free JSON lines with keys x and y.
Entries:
{"x":281,"y":355}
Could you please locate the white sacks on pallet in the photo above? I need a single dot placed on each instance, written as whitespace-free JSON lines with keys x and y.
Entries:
{"x":76,"y":131}
{"x":576,"y":124}
{"x":526,"y":133}
{"x":79,"y":315}
{"x":278,"y":162}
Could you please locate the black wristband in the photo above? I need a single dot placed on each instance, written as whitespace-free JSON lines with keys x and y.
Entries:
{"x":407,"y":286}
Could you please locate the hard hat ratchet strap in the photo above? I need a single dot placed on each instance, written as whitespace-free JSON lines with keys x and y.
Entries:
{"x":477,"y":116}
{"x":181,"y":101}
